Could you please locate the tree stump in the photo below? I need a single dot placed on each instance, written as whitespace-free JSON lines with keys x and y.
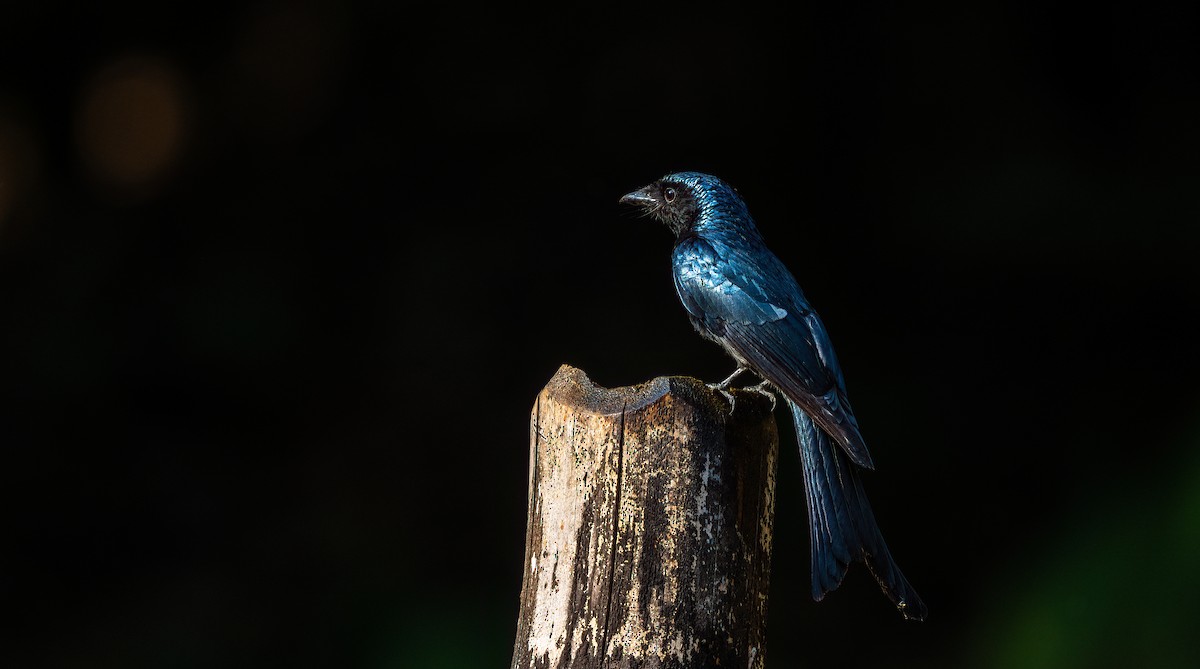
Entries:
{"x":649,"y":534}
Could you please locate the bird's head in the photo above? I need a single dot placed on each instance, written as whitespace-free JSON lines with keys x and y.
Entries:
{"x":685,"y":201}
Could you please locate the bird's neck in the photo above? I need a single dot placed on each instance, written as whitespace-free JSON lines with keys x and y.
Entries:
{"x":726,"y":226}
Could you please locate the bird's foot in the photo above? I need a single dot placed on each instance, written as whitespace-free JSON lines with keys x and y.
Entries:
{"x":728,"y":395}
{"x":723,"y":388}
{"x":725,"y":384}
{"x":761,"y":389}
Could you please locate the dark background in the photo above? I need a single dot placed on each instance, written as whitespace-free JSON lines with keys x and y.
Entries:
{"x":279,"y":283}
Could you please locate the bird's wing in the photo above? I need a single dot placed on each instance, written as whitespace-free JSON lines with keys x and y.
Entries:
{"x":753,"y":305}
{"x":710,"y":283}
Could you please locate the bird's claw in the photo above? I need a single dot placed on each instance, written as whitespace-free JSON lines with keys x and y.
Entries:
{"x":720,"y":387}
{"x":761,"y":389}
{"x":723,"y":386}
{"x":728,"y":380}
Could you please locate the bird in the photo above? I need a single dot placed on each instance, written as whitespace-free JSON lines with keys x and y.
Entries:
{"x":738,"y":294}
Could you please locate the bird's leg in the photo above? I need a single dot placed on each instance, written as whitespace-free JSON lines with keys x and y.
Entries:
{"x":725,"y":384}
{"x":721,"y":387}
{"x":761,"y":389}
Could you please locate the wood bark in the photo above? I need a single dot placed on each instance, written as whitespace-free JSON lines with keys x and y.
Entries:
{"x":649,"y":533}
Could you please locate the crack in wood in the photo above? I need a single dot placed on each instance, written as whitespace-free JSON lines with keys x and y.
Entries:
{"x":616,"y":529}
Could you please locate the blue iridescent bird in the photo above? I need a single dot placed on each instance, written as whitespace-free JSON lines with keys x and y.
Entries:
{"x":739,"y":295}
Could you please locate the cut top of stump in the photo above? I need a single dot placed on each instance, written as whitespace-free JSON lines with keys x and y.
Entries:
{"x":571,"y":386}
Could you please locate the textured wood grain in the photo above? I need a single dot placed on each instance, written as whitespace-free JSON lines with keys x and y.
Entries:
{"x":649,"y":534}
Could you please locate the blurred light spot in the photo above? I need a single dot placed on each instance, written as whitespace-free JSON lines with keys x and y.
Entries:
{"x":131,"y":124}
{"x":20,"y":164}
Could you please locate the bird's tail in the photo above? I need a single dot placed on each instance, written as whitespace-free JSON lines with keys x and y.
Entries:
{"x":841,"y":525}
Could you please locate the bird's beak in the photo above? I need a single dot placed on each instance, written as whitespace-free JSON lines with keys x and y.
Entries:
{"x":641,"y":197}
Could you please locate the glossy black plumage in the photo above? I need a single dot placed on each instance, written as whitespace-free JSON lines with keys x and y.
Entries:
{"x":739,"y":295}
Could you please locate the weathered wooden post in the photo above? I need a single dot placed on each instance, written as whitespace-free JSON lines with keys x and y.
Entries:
{"x":649,"y":536}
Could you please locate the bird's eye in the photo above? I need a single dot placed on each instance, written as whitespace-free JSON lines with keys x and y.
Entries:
{"x":669,"y":194}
